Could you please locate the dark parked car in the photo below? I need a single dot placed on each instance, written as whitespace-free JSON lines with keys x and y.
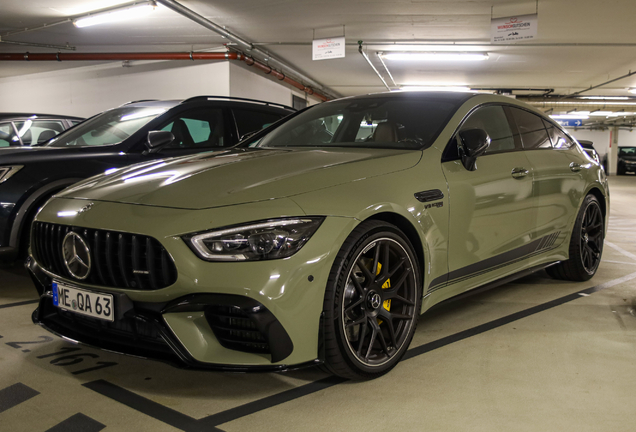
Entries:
{"x":626,"y":160}
{"x":121,"y":136}
{"x":18,"y":129}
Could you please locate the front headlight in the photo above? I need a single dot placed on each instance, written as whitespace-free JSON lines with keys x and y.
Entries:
{"x":272,"y":239}
{"x":7,"y":172}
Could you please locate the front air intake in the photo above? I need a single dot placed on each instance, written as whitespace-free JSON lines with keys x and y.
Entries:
{"x":117,"y":260}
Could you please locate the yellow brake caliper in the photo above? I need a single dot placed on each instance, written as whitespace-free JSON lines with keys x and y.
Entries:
{"x":387,"y":284}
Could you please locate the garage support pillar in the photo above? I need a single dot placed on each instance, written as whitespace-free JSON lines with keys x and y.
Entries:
{"x":612,"y":153}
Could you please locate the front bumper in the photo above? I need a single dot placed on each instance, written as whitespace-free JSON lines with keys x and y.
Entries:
{"x":291,"y":290}
{"x":140,"y":329}
{"x":628,"y":166}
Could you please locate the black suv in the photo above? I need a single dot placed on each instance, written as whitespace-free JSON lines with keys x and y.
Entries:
{"x":133,"y":133}
{"x":18,"y":129}
{"x":626,"y":160}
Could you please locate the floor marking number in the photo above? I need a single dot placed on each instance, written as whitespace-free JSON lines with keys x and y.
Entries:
{"x":19,"y":344}
{"x":72,"y":359}
{"x":63,"y":350}
{"x":102,"y":365}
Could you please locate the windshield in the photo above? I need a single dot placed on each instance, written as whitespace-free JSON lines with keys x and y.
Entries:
{"x":110,"y":127}
{"x":396,"y":123}
{"x":627,"y":151}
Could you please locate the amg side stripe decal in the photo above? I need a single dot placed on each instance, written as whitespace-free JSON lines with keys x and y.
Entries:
{"x":529,"y":250}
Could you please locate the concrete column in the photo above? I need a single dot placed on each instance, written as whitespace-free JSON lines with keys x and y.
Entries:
{"x":612,"y":153}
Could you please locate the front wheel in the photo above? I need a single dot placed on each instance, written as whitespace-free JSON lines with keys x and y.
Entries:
{"x":371,"y":303}
{"x":586,"y":244}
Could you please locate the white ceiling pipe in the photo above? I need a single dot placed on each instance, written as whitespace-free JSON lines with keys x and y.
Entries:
{"x":243,"y":44}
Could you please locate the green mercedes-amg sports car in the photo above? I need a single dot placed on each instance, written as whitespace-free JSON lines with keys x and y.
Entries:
{"x":321,"y":238}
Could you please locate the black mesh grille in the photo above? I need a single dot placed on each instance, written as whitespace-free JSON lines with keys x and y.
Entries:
{"x":118,"y":260}
{"x":235,"y":330}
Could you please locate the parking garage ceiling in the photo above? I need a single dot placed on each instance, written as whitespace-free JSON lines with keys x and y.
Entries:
{"x":580,"y":43}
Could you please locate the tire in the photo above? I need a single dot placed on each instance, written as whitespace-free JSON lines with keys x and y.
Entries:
{"x":586,"y":244}
{"x":372,"y":302}
{"x":25,"y":230}
{"x":620,"y":170}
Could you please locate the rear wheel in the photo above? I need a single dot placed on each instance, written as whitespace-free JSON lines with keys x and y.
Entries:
{"x":371,"y":303}
{"x":586,"y":244}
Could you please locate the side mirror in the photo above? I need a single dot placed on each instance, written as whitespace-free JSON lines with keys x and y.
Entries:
{"x":472,"y":144}
{"x":158,"y":139}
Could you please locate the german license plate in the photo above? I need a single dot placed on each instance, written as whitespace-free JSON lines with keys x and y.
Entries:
{"x":83,"y":302}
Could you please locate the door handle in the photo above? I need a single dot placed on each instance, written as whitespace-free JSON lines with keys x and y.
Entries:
{"x":518,"y":173}
{"x":574,"y":167}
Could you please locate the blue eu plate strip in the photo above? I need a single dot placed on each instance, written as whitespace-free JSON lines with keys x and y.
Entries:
{"x":55,"y":298}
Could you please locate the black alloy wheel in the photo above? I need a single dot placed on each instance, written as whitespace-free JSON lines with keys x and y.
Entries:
{"x":372,"y":302}
{"x":591,"y":237}
{"x":586,"y":244}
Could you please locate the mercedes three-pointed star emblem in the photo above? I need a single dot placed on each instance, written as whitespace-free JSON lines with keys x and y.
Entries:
{"x":77,"y":255}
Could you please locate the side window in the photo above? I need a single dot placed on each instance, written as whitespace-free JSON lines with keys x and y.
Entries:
{"x":198,"y":129}
{"x":38,"y":131}
{"x":7,"y":135}
{"x":531,"y":129}
{"x":559,"y":139}
{"x":248,"y":120}
{"x":493,"y":120}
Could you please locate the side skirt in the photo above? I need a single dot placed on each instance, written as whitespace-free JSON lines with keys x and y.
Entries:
{"x":490,"y":285}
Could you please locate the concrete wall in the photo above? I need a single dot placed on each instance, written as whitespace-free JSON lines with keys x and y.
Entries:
{"x":248,"y":84}
{"x":86,"y":91}
{"x":89,"y":90}
{"x":601,"y":139}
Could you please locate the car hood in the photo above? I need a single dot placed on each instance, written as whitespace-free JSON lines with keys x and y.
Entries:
{"x":628,"y":158}
{"x":238,"y":176}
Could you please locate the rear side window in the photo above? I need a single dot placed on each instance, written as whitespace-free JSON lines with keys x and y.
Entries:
{"x":531,"y":129}
{"x":38,"y":131}
{"x":248,"y":120}
{"x":493,"y":120}
{"x":7,"y":136}
{"x":197,"y":129}
{"x":558,"y":138}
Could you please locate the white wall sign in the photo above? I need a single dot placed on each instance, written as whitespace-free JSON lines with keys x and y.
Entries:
{"x":509,"y":29}
{"x":329,"y":48}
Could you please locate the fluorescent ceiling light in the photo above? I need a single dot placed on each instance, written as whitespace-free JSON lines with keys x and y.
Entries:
{"x":117,"y":14}
{"x":605,"y":97}
{"x":632,"y":90}
{"x":579,"y":103}
{"x":571,"y":116}
{"x":620,"y":114}
{"x":601,"y":113}
{"x":436,"y":88}
{"x":435,"y":56}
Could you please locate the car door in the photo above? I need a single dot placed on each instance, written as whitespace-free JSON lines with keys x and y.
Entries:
{"x":558,"y":166}
{"x":492,"y":219}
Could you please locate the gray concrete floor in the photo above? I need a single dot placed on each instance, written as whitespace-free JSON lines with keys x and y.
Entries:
{"x":564,"y":366}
